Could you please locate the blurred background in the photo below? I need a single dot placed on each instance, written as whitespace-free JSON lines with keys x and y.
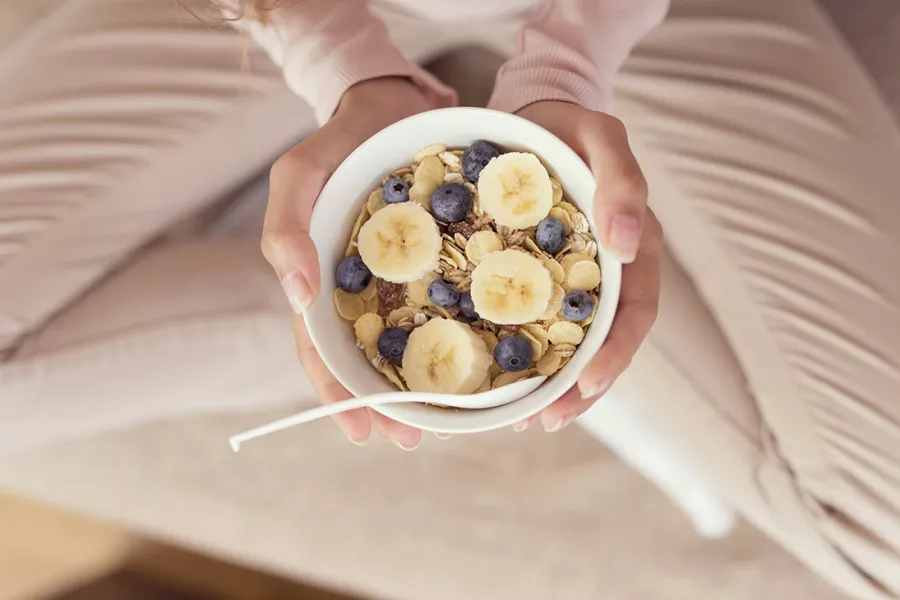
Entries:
{"x":164,"y":511}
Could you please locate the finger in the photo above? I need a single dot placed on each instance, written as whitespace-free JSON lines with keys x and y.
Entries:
{"x":294,"y":184}
{"x":620,"y":202}
{"x":408,"y":438}
{"x":354,"y":423}
{"x":526,"y":423}
{"x":638,"y":307}
{"x":565,"y":410}
{"x":634,"y":317}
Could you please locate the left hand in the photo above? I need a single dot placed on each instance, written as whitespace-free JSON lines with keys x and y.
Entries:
{"x":295,"y":182}
{"x":627,"y":228}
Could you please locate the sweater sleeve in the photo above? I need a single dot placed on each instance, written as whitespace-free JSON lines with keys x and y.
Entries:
{"x":570,"y":50}
{"x":326,"y":46}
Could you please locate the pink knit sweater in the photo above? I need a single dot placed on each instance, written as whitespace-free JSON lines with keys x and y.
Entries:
{"x":568,"y":50}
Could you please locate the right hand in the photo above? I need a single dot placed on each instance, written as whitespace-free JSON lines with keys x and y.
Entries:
{"x":295,"y":182}
{"x":626,"y":227}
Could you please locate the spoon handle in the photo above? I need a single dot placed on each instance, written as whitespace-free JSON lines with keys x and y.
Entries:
{"x":326,"y":410}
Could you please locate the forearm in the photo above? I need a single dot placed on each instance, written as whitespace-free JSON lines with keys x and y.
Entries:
{"x":326,"y":46}
{"x":570,"y":50}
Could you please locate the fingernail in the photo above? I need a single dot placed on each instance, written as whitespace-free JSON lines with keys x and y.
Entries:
{"x":405,"y":448}
{"x":525,"y":423}
{"x":624,"y":236}
{"x":359,"y":443}
{"x":561,"y":424}
{"x":442,"y":436}
{"x":297,"y":291}
{"x":597,"y":389}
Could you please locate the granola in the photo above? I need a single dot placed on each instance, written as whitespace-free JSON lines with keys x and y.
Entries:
{"x":567,"y":273}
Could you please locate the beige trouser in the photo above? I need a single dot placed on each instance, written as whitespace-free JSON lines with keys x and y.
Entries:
{"x":774,"y":364}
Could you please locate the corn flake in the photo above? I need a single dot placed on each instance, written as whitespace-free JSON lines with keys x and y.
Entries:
{"x":368,"y":328}
{"x":583,"y":275}
{"x":482,"y":243}
{"x":375,"y":202}
{"x":549,"y":364}
{"x":429,"y":150}
{"x":417,"y":291}
{"x":349,"y":306}
{"x":566,"y":332}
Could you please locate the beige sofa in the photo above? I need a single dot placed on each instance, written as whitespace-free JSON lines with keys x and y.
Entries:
{"x":486,"y":517}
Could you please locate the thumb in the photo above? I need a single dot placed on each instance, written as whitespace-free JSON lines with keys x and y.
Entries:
{"x":620,"y":203}
{"x":294,"y":185}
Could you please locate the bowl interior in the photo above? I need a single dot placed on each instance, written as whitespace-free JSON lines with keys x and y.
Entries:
{"x":338,"y":207}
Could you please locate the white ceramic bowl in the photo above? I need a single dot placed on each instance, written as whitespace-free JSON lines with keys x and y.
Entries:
{"x":339,"y":204}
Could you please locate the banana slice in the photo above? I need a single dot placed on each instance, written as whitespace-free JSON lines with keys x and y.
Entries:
{"x":511,"y":287}
{"x":445,"y":357}
{"x":400,"y":243}
{"x":515,"y":189}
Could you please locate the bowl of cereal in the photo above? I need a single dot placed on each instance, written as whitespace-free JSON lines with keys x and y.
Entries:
{"x":457,"y":255}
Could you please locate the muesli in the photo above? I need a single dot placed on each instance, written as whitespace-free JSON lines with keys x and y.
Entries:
{"x":467,"y":270}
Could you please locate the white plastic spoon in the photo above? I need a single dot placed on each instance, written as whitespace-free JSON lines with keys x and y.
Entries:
{"x":498,"y":397}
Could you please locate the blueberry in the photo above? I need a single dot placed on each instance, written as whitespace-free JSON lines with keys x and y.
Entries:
{"x":513,"y":353}
{"x":476,"y":157}
{"x":392,"y":344}
{"x":467,"y":306}
{"x":443,"y":294}
{"x":353,"y":275}
{"x":451,"y":203}
{"x":578,"y":305}
{"x":395,"y":190}
{"x":550,"y":235}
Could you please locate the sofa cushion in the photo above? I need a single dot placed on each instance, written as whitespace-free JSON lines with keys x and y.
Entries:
{"x":529,"y":516}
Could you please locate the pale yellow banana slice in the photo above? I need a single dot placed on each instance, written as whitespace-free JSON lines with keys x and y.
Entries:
{"x":515,"y":189}
{"x":511,"y":287}
{"x":400,"y":243}
{"x":444,"y":356}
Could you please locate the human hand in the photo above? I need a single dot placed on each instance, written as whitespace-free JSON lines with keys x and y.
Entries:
{"x":627,"y":227}
{"x":296,"y":180}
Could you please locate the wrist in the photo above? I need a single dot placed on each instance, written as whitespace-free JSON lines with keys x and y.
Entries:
{"x":563,"y":118}
{"x":560,"y":108}
{"x":382,"y":101}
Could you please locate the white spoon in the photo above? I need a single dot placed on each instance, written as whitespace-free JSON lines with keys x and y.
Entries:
{"x":503,"y":395}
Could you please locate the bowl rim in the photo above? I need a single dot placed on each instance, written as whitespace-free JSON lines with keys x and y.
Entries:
{"x":515,"y":411}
